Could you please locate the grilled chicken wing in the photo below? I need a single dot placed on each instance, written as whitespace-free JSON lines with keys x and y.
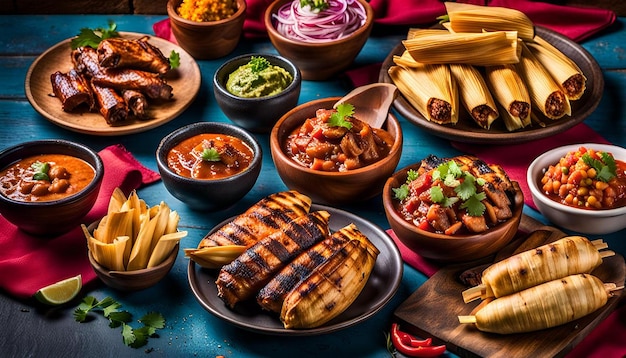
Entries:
{"x":124,"y":79}
{"x":71,"y":89}
{"x":111,"y":104}
{"x":138,"y":54}
{"x":136,"y":103}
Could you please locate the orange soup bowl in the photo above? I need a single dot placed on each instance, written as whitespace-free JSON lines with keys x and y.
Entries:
{"x":331,"y":187}
{"x":200,"y":192}
{"x":56,"y":203}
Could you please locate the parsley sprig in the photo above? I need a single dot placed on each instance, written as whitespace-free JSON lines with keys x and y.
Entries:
{"x":132,"y":337}
{"x":258,"y":64}
{"x":606,"y":169}
{"x":340,"y":117}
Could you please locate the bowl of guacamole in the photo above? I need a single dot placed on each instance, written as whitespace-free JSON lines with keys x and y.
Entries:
{"x":255,"y":90}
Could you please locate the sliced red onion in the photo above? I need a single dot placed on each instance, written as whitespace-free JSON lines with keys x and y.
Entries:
{"x":340,"y":19}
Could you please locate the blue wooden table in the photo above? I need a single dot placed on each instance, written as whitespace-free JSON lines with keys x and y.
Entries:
{"x":28,"y":330}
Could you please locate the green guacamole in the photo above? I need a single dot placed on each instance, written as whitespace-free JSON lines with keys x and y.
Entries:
{"x":258,"y":78}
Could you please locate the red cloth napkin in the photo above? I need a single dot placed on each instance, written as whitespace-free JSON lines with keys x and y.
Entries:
{"x":576,"y":23}
{"x":28,"y":263}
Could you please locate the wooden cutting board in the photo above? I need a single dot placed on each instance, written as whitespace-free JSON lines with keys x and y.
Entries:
{"x":433,"y":310}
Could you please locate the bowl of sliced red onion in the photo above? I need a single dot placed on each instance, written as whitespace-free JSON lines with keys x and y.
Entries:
{"x":323,"y":37}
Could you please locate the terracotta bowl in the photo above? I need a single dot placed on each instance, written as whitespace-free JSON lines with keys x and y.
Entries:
{"x":448,"y":248}
{"x":50,"y":218}
{"x":211,"y":194}
{"x":210,"y":39}
{"x":331,"y":187}
{"x":584,"y":221}
{"x":319,"y":61}
{"x":256,"y":114}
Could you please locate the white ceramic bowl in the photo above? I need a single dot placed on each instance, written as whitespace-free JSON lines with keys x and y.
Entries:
{"x":584,"y":221}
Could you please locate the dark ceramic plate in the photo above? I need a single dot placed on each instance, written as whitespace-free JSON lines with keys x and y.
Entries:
{"x":380,"y":288}
{"x":468,"y":132}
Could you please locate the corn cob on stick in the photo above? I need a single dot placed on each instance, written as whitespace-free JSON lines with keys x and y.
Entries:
{"x":546,"y":95}
{"x":429,"y":88}
{"x":330,"y":288}
{"x":475,"y":94}
{"x":567,"y":256}
{"x":479,"y":49}
{"x":543,"y":306}
{"x":564,"y":71}
{"x":511,"y":93}
{"x":476,"y":18}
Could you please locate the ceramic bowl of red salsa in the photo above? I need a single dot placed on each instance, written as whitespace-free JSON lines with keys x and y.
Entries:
{"x":453,"y":209}
{"x":209,"y":165}
{"x":332,"y":164}
{"x":48,"y":186}
{"x":581,"y":187}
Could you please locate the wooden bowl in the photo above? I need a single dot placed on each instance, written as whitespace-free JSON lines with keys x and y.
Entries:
{"x":449,"y":248}
{"x":209,"y":39}
{"x":331,"y":187}
{"x":319,"y":61}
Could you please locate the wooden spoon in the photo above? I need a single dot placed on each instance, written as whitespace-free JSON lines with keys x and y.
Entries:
{"x":371,"y":102}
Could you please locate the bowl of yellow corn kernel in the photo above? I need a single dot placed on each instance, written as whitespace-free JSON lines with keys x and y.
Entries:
{"x":207,"y":29}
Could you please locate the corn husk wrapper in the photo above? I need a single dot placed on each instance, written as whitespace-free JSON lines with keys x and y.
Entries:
{"x":512,"y":95}
{"x":479,"y":49}
{"x":475,"y":94}
{"x":431,"y":89}
{"x":213,"y":257}
{"x":164,"y":247}
{"x":546,"y":95}
{"x":564,"y":71}
{"x":476,"y":18}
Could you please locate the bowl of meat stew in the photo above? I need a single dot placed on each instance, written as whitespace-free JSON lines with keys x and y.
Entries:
{"x":453,"y":209}
{"x":330,"y":163}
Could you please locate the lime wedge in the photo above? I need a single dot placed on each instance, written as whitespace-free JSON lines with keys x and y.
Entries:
{"x":60,"y":292}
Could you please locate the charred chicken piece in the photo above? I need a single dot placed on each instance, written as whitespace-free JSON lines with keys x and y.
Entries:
{"x":124,"y":79}
{"x":71,"y":89}
{"x":136,"y":103}
{"x":137,"y":54}
{"x":111,"y":104}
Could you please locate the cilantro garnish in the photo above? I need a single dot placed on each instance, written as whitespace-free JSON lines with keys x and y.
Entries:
{"x":41,"y":171}
{"x":314,"y":5}
{"x":606,"y":169}
{"x":258,"y":64}
{"x":339,"y":118}
{"x":174,"y":59}
{"x":132,"y":337}
{"x":403,"y":191}
{"x":92,"y":37}
{"x":210,"y":155}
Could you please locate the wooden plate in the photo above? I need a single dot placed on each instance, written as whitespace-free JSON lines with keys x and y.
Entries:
{"x":432,"y":311}
{"x":185,"y":81}
{"x":467,"y":131}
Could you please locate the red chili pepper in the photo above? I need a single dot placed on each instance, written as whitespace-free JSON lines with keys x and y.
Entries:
{"x":413,"y":347}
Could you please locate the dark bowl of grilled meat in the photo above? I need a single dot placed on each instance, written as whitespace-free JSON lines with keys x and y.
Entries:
{"x":353,"y":164}
{"x":205,"y":40}
{"x":428,"y":215}
{"x":261,"y":108}
{"x":209,"y":165}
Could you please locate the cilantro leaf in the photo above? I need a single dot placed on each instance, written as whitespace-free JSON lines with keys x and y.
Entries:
{"x":474,"y":205}
{"x":174,"y":59}
{"x":210,"y":155}
{"x":467,"y":188}
{"x":128,"y":335}
{"x":258,"y":64}
{"x":606,"y":168}
{"x":92,"y":37}
{"x":436,"y":194}
{"x":153,"y":319}
{"x":41,"y":170}
{"x":339,"y":118}
{"x":314,"y":5}
{"x":411,"y":175}
{"x":402,"y":192}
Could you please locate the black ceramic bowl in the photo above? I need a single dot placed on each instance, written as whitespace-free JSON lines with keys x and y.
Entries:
{"x":49,"y":218}
{"x":209,"y":194}
{"x":256,"y":114}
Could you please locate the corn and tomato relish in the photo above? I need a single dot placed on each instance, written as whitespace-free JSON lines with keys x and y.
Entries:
{"x":207,"y":10}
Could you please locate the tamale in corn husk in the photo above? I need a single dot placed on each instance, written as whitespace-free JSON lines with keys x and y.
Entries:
{"x":476,"y":18}
{"x":479,"y":49}
{"x":564,"y":71}
{"x":430,"y":89}
{"x":475,"y":94}
{"x":511,"y":93}
{"x":546,"y":95}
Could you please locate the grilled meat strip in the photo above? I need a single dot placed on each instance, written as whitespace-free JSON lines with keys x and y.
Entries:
{"x":85,"y":60}
{"x":268,"y":215}
{"x":246,"y":275}
{"x":124,"y":79}
{"x":111,"y":104}
{"x":71,"y":89}
{"x":136,"y":103}
{"x":272,"y":295}
{"x":138,"y":54}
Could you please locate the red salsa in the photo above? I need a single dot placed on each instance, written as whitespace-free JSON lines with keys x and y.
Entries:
{"x":210,"y":156}
{"x":587,"y":179}
{"x":45,"y":177}
{"x":322,"y":145}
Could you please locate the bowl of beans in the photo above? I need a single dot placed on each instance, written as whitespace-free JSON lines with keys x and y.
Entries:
{"x":209,"y":165}
{"x":581,"y":187}
{"x":334,"y":161}
{"x":48,"y":186}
